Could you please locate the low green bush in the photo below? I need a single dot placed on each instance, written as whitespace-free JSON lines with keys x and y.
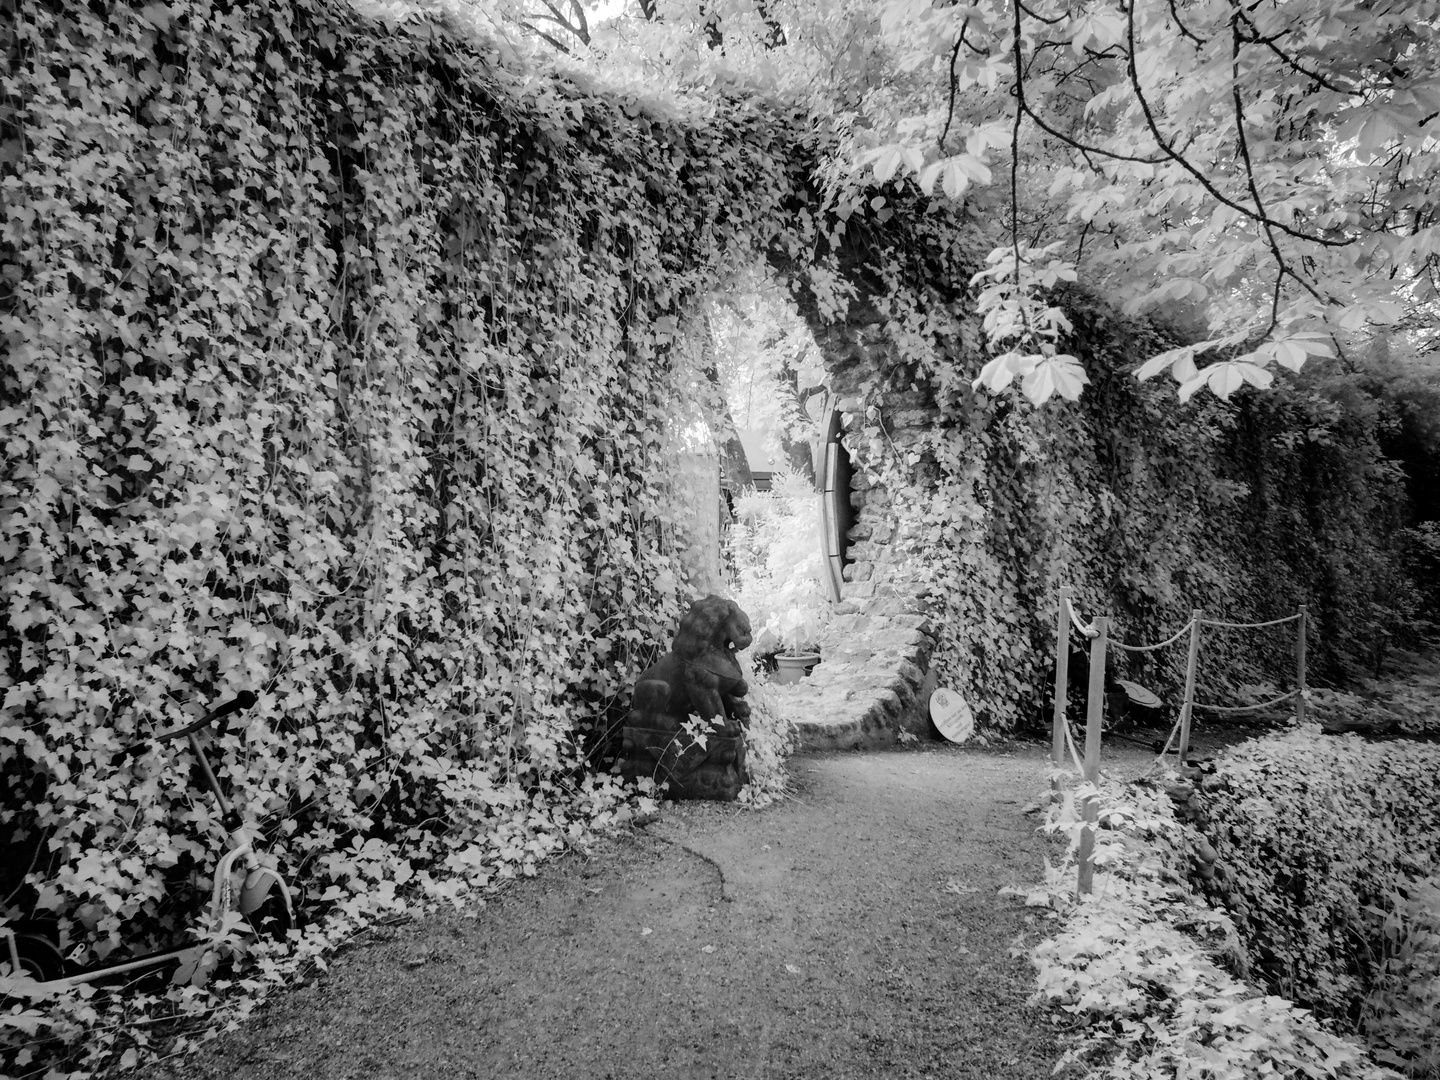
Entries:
{"x":1147,"y":979}
{"x":1401,"y":1015}
{"x":1323,"y":844}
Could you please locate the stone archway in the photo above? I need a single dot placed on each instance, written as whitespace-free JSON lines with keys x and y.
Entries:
{"x":874,"y":681}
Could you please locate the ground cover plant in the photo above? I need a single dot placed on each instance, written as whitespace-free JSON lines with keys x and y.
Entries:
{"x":1150,"y":980}
{"x":338,"y":367}
{"x":1331,"y":846}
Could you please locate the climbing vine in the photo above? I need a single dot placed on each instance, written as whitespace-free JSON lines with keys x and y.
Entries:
{"x":338,"y":361}
{"x":336,"y":369}
{"x":1247,"y":508}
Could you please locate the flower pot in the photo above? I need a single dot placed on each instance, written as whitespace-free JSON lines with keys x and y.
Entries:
{"x":790,"y":669}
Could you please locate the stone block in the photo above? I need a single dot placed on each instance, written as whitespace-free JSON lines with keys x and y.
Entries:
{"x":905,"y":693}
{"x":908,"y":399}
{"x":889,"y":704}
{"x":912,"y":418}
{"x":910,"y":620}
{"x":859,"y":571}
{"x":911,"y":673}
{"x":861,"y":590}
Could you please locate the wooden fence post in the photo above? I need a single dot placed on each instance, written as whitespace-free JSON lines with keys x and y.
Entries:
{"x":1094,"y":711}
{"x":1062,"y":678}
{"x":1300,"y":667}
{"x":1188,"y":706}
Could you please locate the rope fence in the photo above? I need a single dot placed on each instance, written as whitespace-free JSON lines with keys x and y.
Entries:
{"x":1098,"y":634}
{"x":1159,"y":645}
{"x":1253,"y":625}
{"x":1246,"y":708}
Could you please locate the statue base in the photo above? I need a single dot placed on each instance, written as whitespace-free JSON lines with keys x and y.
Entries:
{"x":715,"y":771}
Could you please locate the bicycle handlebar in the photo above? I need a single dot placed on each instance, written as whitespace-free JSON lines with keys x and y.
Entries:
{"x":243,"y":700}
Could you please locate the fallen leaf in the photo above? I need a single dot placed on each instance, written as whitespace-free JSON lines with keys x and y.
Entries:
{"x":792,"y":969}
{"x":645,"y":930}
{"x":708,"y":949}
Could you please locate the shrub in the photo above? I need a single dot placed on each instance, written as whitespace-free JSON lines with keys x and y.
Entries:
{"x":1320,"y":835}
{"x":775,"y":550}
{"x":1147,"y":969}
{"x":1401,"y":1016}
{"x":770,"y":738}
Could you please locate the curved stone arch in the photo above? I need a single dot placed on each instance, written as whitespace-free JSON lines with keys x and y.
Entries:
{"x":874,"y":681}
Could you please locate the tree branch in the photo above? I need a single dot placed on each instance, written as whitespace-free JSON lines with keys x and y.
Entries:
{"x":1185,"y":30}
{"x":1169,"y":151}
{"x":954,"y":82}
{"x":546,"y":37}
{"x":1256,"y":39}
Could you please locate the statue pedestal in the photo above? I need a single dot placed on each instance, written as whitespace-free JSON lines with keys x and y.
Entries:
{"x":715,"y":771}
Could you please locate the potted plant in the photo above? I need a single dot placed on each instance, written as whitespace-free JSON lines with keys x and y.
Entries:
{"x":779,"y":564}
{"x":797,"y":627}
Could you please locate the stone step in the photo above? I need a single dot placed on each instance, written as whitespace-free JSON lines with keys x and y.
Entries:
{"x":872,"y":685}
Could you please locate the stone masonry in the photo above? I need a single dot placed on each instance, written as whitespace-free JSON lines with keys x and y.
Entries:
{"x":873,"y":681}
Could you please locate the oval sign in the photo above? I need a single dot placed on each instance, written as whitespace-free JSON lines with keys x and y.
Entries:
{"x":951,"y":714}
{"x":1140,"y":695}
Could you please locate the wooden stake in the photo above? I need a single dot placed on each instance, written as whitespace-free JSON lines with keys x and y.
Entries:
{"x":1062,"y":678}
{"x":1094,"y":713}
{"x":1188,"y":706}
{"x":1095,"y":698}
{"x":1300,"y":666}
{"x":1087,"y":845}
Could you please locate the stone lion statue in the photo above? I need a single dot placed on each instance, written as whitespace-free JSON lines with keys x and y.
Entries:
{"x":698,"y":677}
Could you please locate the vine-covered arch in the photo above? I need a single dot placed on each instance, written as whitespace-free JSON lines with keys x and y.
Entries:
{"x":337,"y":366}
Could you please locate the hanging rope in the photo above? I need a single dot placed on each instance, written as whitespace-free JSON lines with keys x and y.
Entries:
{"x":1151,"y":648}
{"x":1088,"y":629}
{"x":1074,"y":751}
{"x":1248,"y":625}
{"x":1244,"y":708}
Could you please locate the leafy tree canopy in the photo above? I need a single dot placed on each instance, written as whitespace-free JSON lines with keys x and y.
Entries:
{"x":1265,"y":171}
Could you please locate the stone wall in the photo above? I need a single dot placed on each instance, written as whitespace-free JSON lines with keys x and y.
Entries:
{"x":873,"y":681}
{"x":697,"y":512}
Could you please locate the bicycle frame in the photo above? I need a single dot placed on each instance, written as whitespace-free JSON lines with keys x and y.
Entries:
{"x":241,"y":882}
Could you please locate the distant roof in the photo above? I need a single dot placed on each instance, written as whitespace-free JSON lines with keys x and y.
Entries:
{"x":757,"y":456}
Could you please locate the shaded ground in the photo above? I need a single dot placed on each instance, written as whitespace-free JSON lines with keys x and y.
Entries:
{"x":814,"y":939}
{"x":850,"y":931}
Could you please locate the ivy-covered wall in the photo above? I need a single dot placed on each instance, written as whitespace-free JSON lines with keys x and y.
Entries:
{"x":337,"y":365}
{"x":336,"y":368}
{"x":983,"y":506}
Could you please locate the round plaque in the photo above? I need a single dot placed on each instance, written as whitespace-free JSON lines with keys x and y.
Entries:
{"x":1141,"y":696}
{"x":951,"y":715}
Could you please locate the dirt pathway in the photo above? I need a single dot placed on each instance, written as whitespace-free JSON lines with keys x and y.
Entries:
{"x":816,"y":939}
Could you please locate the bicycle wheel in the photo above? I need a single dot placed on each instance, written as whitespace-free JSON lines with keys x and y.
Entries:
{"x":39,"y":958}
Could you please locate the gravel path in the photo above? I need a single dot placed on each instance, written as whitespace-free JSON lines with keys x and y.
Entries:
{"x":815,"y":939}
